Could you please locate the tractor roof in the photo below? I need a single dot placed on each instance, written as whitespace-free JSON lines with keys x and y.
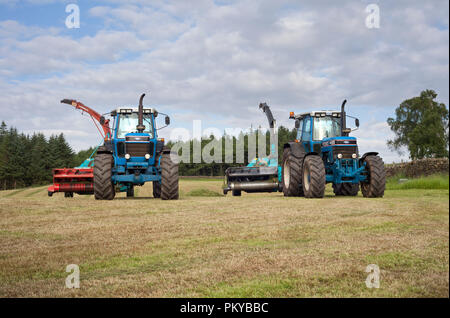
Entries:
{"x":129,"y":110}
{"x":320,"y":113}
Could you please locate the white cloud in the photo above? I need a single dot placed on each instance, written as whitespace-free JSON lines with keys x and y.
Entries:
{"x":217,"y":62}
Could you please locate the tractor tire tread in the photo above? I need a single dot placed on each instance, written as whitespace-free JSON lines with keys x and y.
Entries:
{"x":169,"y":178}
{"x":346,"y":189}
{"x":294,"y":189}
{"x":317,"y":177}
{"x":376,"y":185}
{"x":103,"y":186}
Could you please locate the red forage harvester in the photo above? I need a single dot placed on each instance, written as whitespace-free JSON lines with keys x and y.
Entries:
{"x":79,"y":180}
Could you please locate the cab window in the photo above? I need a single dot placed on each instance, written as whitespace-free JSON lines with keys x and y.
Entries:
{"x":306,"y":135}
{"x":128,"y":122}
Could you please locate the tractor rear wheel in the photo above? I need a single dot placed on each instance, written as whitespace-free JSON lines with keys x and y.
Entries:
{"x":130,"y":192}
{"x":169,"y":178}
{"x":103,"y":185}
{"x":291,"y":174}
{"x":156,"y":189}
{"x":376,"y":177}
{"x":236,"y":193}
{"x":313,"y":180}
{"x":346,"y":189}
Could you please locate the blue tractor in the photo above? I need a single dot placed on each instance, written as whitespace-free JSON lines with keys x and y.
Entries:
{"x":134,"y":155}
{"x":324,"y":153}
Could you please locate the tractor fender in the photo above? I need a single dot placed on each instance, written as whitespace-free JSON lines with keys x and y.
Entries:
{"x":297,"y":149}
{"x":312,"y":153}
{"x":166,"y":150}
{"x":372,"y":153}
{"x":106,"y":148}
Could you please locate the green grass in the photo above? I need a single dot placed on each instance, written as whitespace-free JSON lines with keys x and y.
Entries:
{"x":436,"y":182}
{"x":210,"y":245}
{"x":203,"y":193}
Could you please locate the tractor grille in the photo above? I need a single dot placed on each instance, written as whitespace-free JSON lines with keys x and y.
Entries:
{"x":139,"y":149}
{"x":346,"y":151}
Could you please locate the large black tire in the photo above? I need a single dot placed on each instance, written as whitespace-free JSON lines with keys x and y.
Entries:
{"x":130,"y":192}
{"x":103,"y":185}
{"x":169,"y":178}
{"x":291,"y":174}
{"x":236,"y":193}
{"x":346,"y":189}
{"x":156,"y":189}
{"x":376,"y":177}
{"x":313,"y":180}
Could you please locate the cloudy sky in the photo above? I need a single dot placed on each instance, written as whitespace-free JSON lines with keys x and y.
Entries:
{"x":216,"y":60}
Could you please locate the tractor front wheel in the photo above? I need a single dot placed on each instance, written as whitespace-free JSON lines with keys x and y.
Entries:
{"x":103,"y":185}
{"x":291,"y":174}
{"x":156,"y":189}
{"x":169,"y":178}
{"x":130,"y":192}
{"x":313,"y":177}
{"x":375,"y":184}
{"x":346,"y":189}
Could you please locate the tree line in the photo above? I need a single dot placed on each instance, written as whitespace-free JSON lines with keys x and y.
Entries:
{"x":27,"y":160}
{"x":203,"y":168}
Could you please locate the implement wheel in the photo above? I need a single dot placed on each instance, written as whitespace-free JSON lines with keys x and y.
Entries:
{"x":68,"y":194}
{"x":169,"y":178}
{"x":291,"y":174}
{"x":346,"y":189}
{"x":103,"y":185}
{"x":376,"y":178}
{"x":156,"y":189}
{"x":236,"y":193}
{"x":313,"y":177}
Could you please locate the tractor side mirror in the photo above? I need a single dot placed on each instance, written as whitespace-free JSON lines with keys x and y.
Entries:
{"x":297,"y":124}
{"x":356,"y":122}
{"x":167,"y":120}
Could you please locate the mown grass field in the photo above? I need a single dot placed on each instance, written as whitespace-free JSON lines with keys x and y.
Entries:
{"x":208,"y":245}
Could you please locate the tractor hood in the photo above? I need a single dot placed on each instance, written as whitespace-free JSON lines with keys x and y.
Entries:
{"x":342,"y":141}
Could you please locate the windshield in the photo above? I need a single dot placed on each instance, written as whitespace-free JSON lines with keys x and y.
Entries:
{"x":325,"y":127}
{"x":128,"y":123}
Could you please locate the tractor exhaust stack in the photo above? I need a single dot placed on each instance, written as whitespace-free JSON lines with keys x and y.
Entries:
{"x":140,"y":127}
{"x":343,"y":119}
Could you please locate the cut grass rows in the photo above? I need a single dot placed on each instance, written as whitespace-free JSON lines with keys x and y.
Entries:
{"x":258,"y":245}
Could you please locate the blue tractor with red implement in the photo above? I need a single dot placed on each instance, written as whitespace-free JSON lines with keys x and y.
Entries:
{"x":131,"y":155}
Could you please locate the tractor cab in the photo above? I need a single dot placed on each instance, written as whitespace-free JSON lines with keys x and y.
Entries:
{"x":321,"y":132}
{"x":133,"y":146}
{"x":314,"y":127}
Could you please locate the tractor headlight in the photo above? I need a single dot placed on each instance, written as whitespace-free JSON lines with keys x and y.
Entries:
{"x":147,"y":156}
{"x":354,"y":156}
{"x":339,"y":156}
{"x":127,"y":156}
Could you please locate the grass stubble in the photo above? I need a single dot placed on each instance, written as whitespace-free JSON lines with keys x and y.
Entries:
{"x":209,"y":245}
